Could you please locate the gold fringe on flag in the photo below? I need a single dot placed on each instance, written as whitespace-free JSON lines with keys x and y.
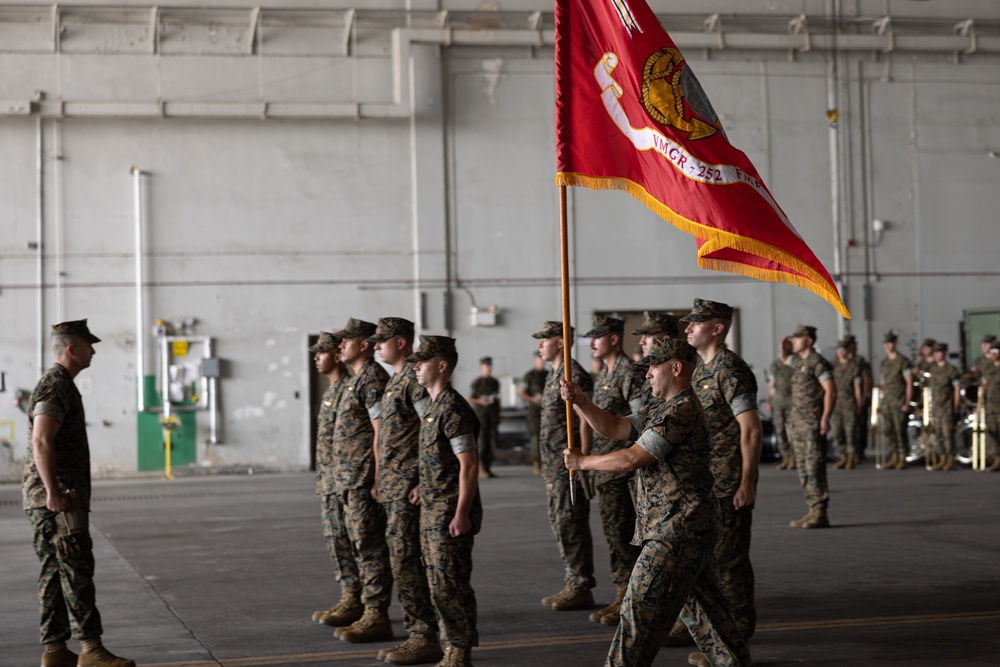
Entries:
{"x":805,"y":277}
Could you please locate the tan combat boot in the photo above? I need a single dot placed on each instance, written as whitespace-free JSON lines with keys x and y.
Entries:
{"x":102,"y":657}
{"x":373,"y":626}
{"x":797,"y":523}
{"x":416,"y":650}
{"x":841,"y":462}
{"x":57,"y":655}
{"x":818,"y":520}
{"x":456,"y":656}
{"x":536,"y":467}
{"x":892,"y":462}
{"x":678,"y":636}
{"x":575,"y":600}
{"x":901,"y":463}
{"x":791,"y":463}
{"x":549,"y":599}
{"x":611,"y":611}
{"x":345,"y":612}
{"x":930,"y":460}
{"x":948,"y":463}
{"x":850,"y":461}
{"x":699,"y":660}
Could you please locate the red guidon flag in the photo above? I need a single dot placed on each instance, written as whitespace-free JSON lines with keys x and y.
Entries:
{"x":630,"y":115}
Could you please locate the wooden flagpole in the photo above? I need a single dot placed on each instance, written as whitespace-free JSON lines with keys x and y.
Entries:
{"x":567,"y":336}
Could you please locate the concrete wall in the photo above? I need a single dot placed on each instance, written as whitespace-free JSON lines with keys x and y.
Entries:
{"x":268,"y":230}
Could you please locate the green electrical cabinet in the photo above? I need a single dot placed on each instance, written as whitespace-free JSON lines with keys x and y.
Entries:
{"x":152,"y":448}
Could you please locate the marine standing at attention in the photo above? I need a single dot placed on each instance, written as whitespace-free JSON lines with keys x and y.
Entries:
{"x":451,"y":512}
{"x":56,"y":494}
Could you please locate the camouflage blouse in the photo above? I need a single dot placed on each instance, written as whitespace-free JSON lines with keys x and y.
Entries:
{"x":483,"y":386}
{"x":448,"y":428}
{"x":942,"y":381}
{"x":781,"y":375}
{"x":991,"y":385}
{"x":895,"y":373}
{"x":399,"y":434}
{"x":674,"y":498}
{"x":726,"y":388}
{"x":846,"y":374}
{"x":325,"y":423}
{"x":807,"y":386}
{"x":56,"y":396}
{"x":534,"y":381}
{"x":617,"y":391}
{"x":552,"y":440}
{"x":353,"y":435}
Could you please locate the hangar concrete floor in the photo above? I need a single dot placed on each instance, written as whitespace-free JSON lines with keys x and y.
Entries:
{"x":226,"y":570}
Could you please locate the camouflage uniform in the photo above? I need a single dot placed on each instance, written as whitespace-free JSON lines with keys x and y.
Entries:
{"x":894,"y":374}
{"x":676,"y":530}
{"x":867,"y":382}
{"x":338,"y":543}
{"x":921,"y":366}
{"x":942,"y":382}
{"x":448,"y":428}
{"x":844,"y":428}
{"x":617,"y":391}
{"x":727,"y":388}
{"x":398,"y":473}
{"x":983,"y":362}
{"x":66,"y":593}
{"x":656,"y":324}
{"x":489,"y":416}
{"x":354,"y":474}
{"x":534,"y":384}
{"x":570,"y":521}
{"x":804,"y":423}
{"x":781,"y":404}
{"x":990,"y":383}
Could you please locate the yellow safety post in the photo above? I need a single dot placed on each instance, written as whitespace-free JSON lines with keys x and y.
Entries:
{"x":169,"y":424}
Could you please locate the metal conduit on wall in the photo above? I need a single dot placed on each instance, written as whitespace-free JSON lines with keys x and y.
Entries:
{"x":798,"y":36}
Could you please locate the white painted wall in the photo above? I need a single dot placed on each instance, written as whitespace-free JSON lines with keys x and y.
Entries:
{"x":269,"y":230}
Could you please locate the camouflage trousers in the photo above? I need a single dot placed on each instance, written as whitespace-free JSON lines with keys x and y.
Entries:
{"x":489,"y":423}
{"x":67,"y":598}
{"x":448,"y":563}
{"x":365,"y":521}
{"x":732,"y":564}
{"x":339,"y":546}
{"x":845,"y":431}
{"x":667,"y":578}
{"x":571,"y":527}
{"x":893,"y":426}
{"x":614,"y":501}
{"x":993,"y":432}
{"x":402,"y":534}
{"x":941,"y":438}
{"x":534,"y":429}
{"x":810,"y":459}
{"x":779,"y":419}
